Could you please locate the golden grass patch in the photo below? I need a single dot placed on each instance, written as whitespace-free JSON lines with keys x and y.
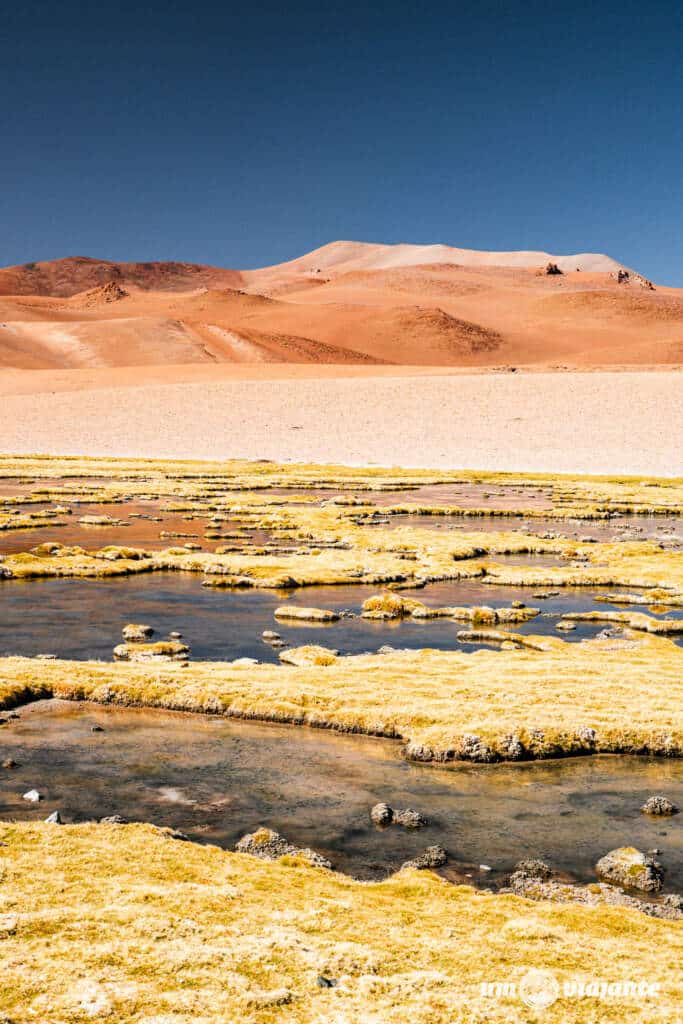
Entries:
{"x":558,"y":698}
{"x":123,"y":923}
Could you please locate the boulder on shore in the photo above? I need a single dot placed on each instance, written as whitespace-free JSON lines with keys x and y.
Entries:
{"x":433,"y":857}
{"x":630,"y":868}
{"x":266,"y":844}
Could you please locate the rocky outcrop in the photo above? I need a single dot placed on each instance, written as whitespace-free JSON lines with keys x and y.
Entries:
{"x":626,"y":277}
{"x":102,"y":295}
{"x":266,"y":844}
{"x":536,"y":887}
{"x":631,"y":869}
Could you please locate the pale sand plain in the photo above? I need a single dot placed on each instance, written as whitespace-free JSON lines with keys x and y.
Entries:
{"x":596,"y":422}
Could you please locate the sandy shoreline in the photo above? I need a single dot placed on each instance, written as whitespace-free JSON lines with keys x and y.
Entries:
{"x":598,"y":422}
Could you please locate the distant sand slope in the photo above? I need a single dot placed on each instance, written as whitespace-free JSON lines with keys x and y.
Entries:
{"x":344,"y":256}
{"x":346,"y":303}
{"x":100,"y":343}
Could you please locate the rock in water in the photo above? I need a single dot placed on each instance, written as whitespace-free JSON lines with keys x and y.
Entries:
{"x":632,"y":869}
{"x":33,"y":796}
{"x":382,"y":814}
{"x":660,"y":806}
{"x":136,"y":633}
{"x":410,"y":818}
{"x":54,"y":819}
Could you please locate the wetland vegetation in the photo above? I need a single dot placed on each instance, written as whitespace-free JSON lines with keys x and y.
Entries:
{"x":468,"y":624}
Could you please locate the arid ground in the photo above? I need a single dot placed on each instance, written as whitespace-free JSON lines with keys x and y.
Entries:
{"x":604,"y":422}
{"x":422,"y":356}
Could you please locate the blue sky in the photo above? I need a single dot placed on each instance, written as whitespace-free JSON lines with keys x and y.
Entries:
{"x":242,"y":137}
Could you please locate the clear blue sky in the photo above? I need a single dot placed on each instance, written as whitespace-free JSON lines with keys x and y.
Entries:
{"x":242,"y":135}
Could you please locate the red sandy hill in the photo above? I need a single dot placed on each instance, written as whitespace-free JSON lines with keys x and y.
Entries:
{"x":345,"y":303}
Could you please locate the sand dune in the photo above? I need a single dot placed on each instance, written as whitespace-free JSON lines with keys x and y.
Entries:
{"x":345,"y":303}
{"x":345,"y":256}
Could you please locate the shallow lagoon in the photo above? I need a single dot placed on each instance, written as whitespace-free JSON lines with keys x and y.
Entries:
{"x":83,"y":618}
{"x":216,"y":779}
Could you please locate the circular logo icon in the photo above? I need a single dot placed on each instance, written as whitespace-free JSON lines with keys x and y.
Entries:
{"x":539,"y":989}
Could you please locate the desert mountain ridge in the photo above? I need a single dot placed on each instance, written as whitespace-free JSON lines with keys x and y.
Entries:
{"x":343,"y":303}
{"x":72,"y":274}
